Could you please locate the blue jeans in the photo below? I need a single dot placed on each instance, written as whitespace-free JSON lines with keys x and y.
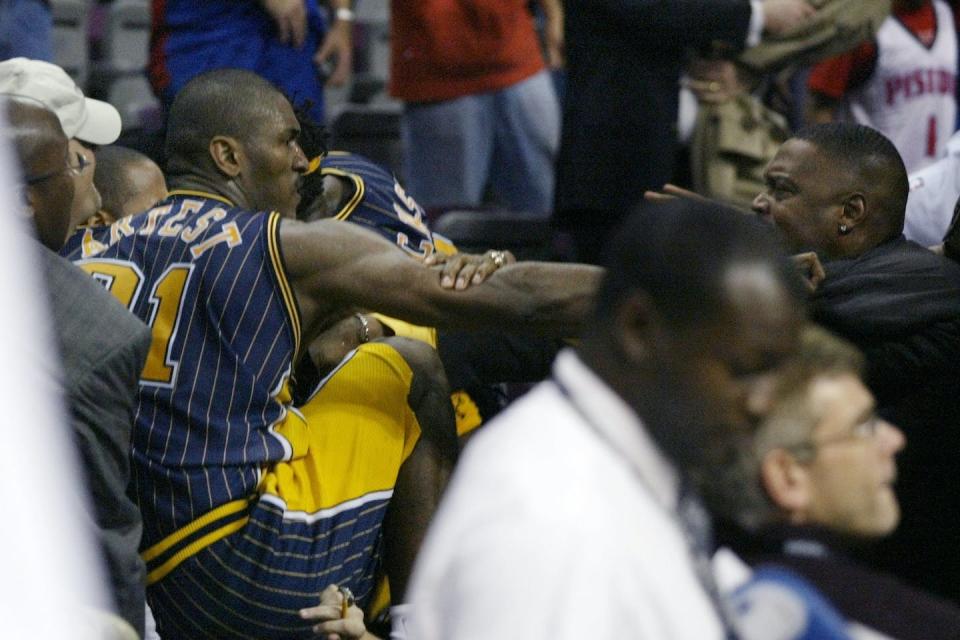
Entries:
{"x":507,"y":138}
{"x":26,"y":30}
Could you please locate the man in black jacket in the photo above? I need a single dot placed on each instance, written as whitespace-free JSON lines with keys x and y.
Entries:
{"x":840,"y":190}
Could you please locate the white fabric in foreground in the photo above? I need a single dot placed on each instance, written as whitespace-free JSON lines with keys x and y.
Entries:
{"x":45,"y":552}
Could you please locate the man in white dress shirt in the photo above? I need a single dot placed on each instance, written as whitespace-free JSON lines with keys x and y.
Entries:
{"x":565,"y":518}
{"x":933,"y":192}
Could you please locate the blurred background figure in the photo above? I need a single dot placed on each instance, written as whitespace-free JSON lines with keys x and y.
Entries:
{"x":902,"y":83}
{"x":26,"y":29}
{"x":480,"y":106}
{"x":933,"y":192}
{"x":620,"y":112}
{"x":289,"y":42}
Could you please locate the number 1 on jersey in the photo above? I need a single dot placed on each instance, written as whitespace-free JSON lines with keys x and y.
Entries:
{"x":167,"y":301}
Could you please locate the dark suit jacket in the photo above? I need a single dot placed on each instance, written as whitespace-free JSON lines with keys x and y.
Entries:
{"x":901,"y":305}
{"x":103,"y":348}
{"x":619,"y":138}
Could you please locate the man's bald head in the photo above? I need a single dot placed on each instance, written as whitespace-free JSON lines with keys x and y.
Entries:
{"x":224,"y":102}
{"x":128,"y":181}
{"x":41,"y":148}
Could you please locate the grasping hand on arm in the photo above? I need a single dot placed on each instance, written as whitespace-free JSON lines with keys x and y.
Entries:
{"x":461,"y":270}
{"x":334,"y":266}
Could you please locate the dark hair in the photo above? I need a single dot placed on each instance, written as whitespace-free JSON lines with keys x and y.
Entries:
{"x":875,"y":160}
{"x":314,"y":140}
{"x":678,"y":252}
{"x":226,"y":102}
{"x":111,"y":176}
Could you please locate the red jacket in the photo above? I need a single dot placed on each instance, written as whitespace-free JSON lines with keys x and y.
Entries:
{"x":444,"y":49}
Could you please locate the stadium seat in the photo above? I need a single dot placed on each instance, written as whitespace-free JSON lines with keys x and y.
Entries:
{"x":132,"y":96}
{"x":369,"y":130}
{"x":371,"y":61}
{"x":529,"y":236}
{"x":70,"y":49}
{"x":126,"y":40}
{"x":120,"y":73}
{"x":373,"y":49}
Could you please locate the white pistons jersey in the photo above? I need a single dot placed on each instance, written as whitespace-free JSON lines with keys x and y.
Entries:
{"x":911,"y":95}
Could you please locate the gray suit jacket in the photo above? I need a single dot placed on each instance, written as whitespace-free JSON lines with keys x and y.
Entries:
{"x":103,"y":348}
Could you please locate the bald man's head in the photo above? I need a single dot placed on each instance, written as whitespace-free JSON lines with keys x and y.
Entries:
{"x":41,"y":148}
{"x":128,"y":181}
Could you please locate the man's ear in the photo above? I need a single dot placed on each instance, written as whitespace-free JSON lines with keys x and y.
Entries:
{"x":786,"y":482}
{"x":854,"y":210}
{"x":635,"y":320}
{"x":227,"y":155}
{"x":101,"y":218}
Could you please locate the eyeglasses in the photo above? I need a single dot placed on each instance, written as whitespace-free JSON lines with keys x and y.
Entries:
{"x":75,"y":169}
{"x":866,"y":431}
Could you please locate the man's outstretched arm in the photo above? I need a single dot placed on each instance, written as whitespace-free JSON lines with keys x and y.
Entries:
{"x":333,"y":265}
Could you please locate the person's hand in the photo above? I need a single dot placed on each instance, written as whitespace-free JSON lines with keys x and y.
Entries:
{"x":331,"y":346}
{"x":290,"y":17}
{"x":553,"y":33}
{"x":337,"y":45}
{"x":672,"y":192}
{"x":713,"y":81}
{"x":461,"y":270}
{"x":332,"y":624}
{"x":808,"y":264}
{"x":780,"y":16}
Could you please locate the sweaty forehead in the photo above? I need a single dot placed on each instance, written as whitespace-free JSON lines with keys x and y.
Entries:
{"x":285,"y":114}
{"x":274,"y":115}
{"x":799,"y":159}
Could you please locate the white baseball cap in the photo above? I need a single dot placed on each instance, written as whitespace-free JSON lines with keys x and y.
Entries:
{"x":86,"y":119}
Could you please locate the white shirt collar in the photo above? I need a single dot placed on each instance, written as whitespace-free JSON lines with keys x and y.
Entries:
{"x":620,"y":426}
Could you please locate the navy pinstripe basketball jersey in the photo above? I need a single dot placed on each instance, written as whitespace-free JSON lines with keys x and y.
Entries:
{"x":214,"y":407}
{"x":380,"y":203}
